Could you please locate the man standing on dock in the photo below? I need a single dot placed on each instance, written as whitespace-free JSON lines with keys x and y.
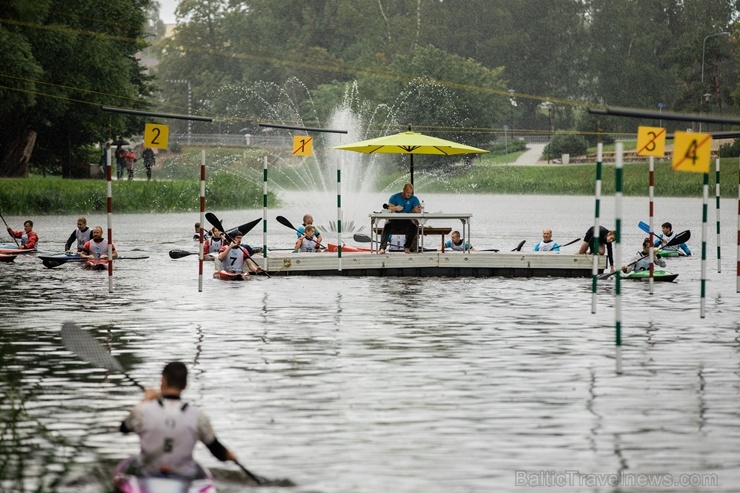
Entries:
{"x":402,"y":202}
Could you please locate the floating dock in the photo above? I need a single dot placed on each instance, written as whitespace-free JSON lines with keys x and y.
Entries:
{"x":432,"y":264}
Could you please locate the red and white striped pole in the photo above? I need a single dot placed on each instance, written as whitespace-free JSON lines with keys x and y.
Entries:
{"x":109,"y":207}
{"x":202,"y":217}
{"x":651,"y":194}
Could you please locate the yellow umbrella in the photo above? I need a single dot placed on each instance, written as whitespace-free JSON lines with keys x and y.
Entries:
{"x":410,"y":143}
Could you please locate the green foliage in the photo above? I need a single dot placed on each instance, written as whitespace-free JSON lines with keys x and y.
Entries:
{"x":575,"y":180}
{"x":566,"y":143}
{"x":730,"y":150}
{"x":513,"y":145}
{"x":37,"y":195}
{"x":65,"y":65}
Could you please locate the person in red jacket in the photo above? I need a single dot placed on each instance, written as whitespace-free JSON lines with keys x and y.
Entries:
{"x":27,"y":236}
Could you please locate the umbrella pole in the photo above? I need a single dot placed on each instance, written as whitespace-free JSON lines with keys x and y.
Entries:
{"x":411,"y":157}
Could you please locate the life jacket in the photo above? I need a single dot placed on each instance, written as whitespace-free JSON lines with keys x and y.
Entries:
{"x":168,"y":436}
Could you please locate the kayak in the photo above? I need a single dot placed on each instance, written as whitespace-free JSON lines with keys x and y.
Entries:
{"x":5,"y":257}
{"x":332,"y":247}
{"x":225,"y":275}
{"x":670,"y":253}
{"x":14,"y":250}
{"x":58,"y":259}
{"x":658,"y":275}
{"x":96,"y":264}
{"x":125,"y":480}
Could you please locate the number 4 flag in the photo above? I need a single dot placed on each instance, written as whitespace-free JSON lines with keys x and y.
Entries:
{"x":691,"y":152}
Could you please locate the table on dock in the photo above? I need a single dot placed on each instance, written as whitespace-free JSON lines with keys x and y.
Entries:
{"x":422,"y":219}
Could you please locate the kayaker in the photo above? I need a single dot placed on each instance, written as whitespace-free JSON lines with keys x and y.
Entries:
{"x":642,"y":259}
{"x":308,"y":241}
{"x":234,"y":256}
{"x":97,"y":247}
{"x":308,"y":220}
{"x":606,"y":238}
{"x":168,"y":429}
{"x":214,"y":244}
{"x":547,"y":245}
{"x":402,"y":202}
{"x":457,"y":244}
{"x":28,"y":237}
{"x":81,"y":235}
{"x":667,"y":236}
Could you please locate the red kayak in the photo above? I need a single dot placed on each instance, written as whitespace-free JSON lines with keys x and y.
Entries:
{"x":96,"y":264}
{"x":225,"y":275}
{"x":16,"y":251}
{"x":4,"y":257}
{"x":332,"y":247}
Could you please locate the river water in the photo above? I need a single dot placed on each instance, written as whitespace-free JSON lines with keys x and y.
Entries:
{"x":402,"y":385}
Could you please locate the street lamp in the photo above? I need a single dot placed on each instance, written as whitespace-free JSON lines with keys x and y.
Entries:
{"x":511,"y":109}
{"x":549,"y":105}
{"x":703,"y":48}
{"x":190,"y":103}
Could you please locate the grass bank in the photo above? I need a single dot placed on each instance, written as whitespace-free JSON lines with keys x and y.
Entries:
{"x":235,"y":182}
{"x":580,"y":179}
{"x":53,"y":195}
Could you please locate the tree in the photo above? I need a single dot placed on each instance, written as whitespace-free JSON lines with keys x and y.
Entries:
{"x":63,"y":68}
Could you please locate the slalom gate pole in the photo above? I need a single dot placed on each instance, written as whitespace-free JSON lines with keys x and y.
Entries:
{"x":202,"y":218}
{"x":618,"y":207}
{"x":704,"y":209}
{"x":597,"y":194}
{"x":717,"y":193}
{"x":651,"y":195}
{"x":264,"y":213}
{"x":109,"y":209}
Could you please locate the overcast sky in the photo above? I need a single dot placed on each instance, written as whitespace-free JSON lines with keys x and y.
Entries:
{"x":167,"y":10}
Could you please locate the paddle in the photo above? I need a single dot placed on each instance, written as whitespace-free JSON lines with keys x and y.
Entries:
{"x":284,"y":221}
{"x":6,"y":228}
{"x":681,"y":237}
{"x":518,"y":248}
{"x":175,"y":254}
{"x":570,"y":242}
{"x":56,"y":262}
{"x":92,"y":351}
{"x":89,"y":349}
{"x":646,"y":228}
{"x":243,"y":229}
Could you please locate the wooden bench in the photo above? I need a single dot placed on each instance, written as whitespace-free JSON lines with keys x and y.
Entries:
{"x":427,"y":232}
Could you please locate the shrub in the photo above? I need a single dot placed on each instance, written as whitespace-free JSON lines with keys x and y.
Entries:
{"x":575,"y":145}
{"x":513,"y":145}
{"x":730,"y":150}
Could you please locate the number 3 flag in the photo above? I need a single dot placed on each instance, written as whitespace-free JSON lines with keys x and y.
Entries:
{"x":651,"y":141}
{"x":691,"y":152}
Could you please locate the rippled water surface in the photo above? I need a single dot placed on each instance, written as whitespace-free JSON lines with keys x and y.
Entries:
{"x":400,"y":384}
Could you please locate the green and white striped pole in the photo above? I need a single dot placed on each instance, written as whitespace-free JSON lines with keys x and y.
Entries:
{"x":264,"y":213}
{"x":717,"y":200}
{"x":339,"y":214}
{"x":619,"y":169}
{"x":595,"y":269}
{"x":704,"y":209}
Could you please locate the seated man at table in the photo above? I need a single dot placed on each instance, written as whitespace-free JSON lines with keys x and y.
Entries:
{"x":403,"y":202}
